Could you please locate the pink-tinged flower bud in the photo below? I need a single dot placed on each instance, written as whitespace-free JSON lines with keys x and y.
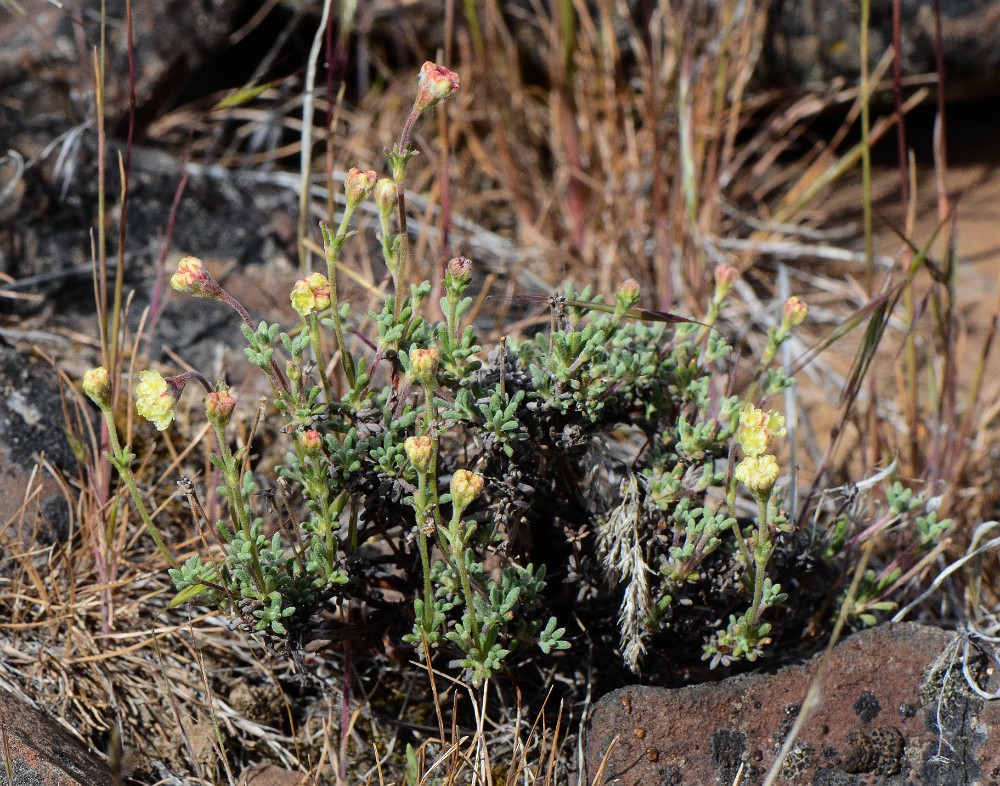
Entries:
{"x":155,"y":398}
{"x":434,"y":85}
{"x":386,"y":196}
{"x":725,"y":279}
{"x":420,"y":452}
{"x":97,"y":385}
{"x":219,"y":407}
{"x":794,"y":313}
{"x":320,"y":286}
{"x":759,"y":474}
{"x":423,"y":366}
{"x":465,"y":487}
{"x":627,"y":294}
{"x":192,"y":278}
{"x":458,"y":275}
{"x":359,"y":185}
{"x":311,"y":442}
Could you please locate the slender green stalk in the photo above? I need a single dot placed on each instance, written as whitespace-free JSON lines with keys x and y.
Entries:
{"x":121,"y":458}
{"x":237,"y":508}
{"x":761,"y":558}
{"x":331,"y":246}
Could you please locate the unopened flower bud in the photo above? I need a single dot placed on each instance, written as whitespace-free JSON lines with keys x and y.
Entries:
{"x":219,"y":406}
{"x":627,"y":294}
{"x":359,"y":185}
{"x":192,"y":278}
{"x":386,"y":196}
{"x":420,"y":452}
{"x":465,"y":487}
{"x":155,"y":398}
{"x":423,"y":366}
{"x":725,"y":279}
{"x":311,"y":442}
{"x":434,"y":85}
{"x":97,"y":385}
{"x":759,"y":474}
{"x":457,"y":275}
{"x":794,"y":313}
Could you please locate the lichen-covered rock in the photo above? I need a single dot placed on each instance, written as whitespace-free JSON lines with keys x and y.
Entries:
{"x":891,"y":710}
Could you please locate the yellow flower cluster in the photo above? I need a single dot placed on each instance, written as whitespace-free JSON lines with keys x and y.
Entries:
{"x":465,"y":487}
{"x":757,"y":429}
{"x":758,"y":473}
{"x":311,"y":294}
{"x":154,"y":399}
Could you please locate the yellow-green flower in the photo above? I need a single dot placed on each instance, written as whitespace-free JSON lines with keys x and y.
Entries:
{"x":320,"y":285}
{"x":155,"y":399}
{"x":97,"y":385}
{"x":192,"y":278}
{"x":420,"y":452}
{"x":303,"y":298}
{"x":465,"y":487}
{"x":759,"y":474}
{"x":757,"y":429}
{"x":794,"y":313}
{"x":423,"y":365}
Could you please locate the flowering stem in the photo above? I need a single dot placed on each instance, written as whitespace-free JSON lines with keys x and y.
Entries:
{"x":331,"y":248}
{"x":458,"y":557}
{"x":399,"y":178}
{"x":237,"y":509}
{"x":762,"y":556}
{"x":425,"y":559}
{"x":122,"y":462}
{"x":317,"y":348}
{"x":740,"y":541}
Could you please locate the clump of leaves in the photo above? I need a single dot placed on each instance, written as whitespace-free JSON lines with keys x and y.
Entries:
{"x":441,"y":470}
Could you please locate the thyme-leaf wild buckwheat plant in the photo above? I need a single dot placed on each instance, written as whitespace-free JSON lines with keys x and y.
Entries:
{"x":441,"y":468}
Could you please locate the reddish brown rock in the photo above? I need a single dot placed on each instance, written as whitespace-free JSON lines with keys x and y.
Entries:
{"x":890,"y":711}
{"x":42,"y":753}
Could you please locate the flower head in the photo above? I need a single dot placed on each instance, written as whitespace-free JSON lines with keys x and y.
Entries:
{"x":97,"y":385}
{"x":155,"y":398}
{"x":192,"y":278}
{"x":757,"y":429}
{"x":310,"y":294}
{"x":794,"y":313}
{"x":311,"y":442}
{"x":219,"y":406}
{"x":759,"y":474}
{"x":725,"y":279}
{"x":423,"y":366}
{"x":386,"y":197}
{"x":434,"y":85}
{"x":359,"y":185}
{"x":627,"y":294}
{"x":465,"y":487}
{"x":420,"y":452}
{"x":320,"y":285}
{"x":458,"y":275}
